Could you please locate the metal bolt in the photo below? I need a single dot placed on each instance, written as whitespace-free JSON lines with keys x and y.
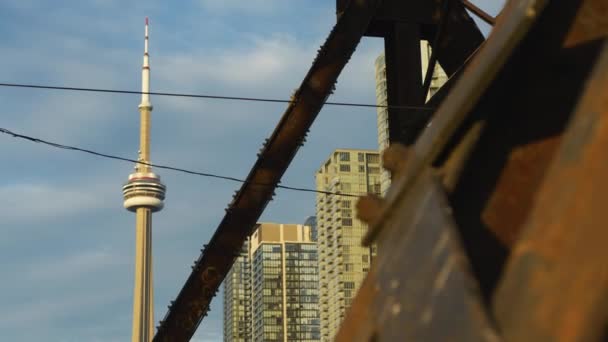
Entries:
{"x":396,"y":309}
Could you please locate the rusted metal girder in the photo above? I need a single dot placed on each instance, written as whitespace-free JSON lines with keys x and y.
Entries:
{"x":404,"y":216}
{"x":419,"y":287}
{"x":555,"y":286}
{"x":519,"y":144}
{"x":488,"y":19}
{"x":525,"y":111}
{"x":392,"y":11}
{"x":192,"y":303}
{"x":452,"y":34}
{"x":403,"y":81}
{"x":459,"y":38}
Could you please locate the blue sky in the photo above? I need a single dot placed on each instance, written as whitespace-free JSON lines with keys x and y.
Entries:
{"x":66,"y":250}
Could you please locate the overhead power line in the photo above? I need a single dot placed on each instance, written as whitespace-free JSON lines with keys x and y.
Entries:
{"x":197,"y":173}
{"x":202,"y":96}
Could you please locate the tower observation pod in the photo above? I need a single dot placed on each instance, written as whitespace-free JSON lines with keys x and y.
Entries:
{"x":144,"y":194}
{"x":144,"y":190}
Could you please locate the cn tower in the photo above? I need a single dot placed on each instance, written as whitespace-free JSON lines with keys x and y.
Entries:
{"x":143,"y":194}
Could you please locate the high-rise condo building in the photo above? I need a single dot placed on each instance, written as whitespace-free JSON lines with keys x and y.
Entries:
{"x":237,"y":299}
{"x":343,"y":262}
{"x":280,"y":290}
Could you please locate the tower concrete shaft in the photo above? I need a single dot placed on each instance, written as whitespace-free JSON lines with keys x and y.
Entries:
{"x":144,"y":194}
{"x":143,"y":294}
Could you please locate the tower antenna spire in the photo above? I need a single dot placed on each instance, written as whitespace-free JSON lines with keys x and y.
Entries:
{"x":145,"y":72}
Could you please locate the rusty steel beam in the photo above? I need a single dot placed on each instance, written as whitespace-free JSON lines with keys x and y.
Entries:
{"x":420,"y":296}
{"x":525,"y":112}
{"x":419,"y":12}
{"x":453,"y":36}
{"x":555,"y":284}
{"x":403,"y":81}
{"x":459,"y":38}
{"x":192,"y":303}
{"x":477,"y":77}
{"x":519,"y":144}
{"x":479,"y":12}
{"x":555,"y":287}
{"x":419,"y":287}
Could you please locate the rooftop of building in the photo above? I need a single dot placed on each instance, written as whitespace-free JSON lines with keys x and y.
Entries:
{"x":338,"y":150}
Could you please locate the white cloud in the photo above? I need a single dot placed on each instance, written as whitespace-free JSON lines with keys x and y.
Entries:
{"x":257,"y":63}
{"x":25,"y":202}
{"x":264,"y":66}
{"x":75,"y":265}
{"x":50,"y":309}
{"x":249,"y":6}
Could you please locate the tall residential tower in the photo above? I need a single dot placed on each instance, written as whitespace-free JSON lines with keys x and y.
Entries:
{"x":271,"y":294}
{"x":143,"y":194}
{"x":343,"y":262}
{"x":237,"y":299}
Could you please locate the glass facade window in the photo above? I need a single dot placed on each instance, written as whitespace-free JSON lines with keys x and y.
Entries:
{"x":373,"y":170}
{"x":373,"y":158}
{"x":237,"y":299}
{"x":267,"y":292}
{"x":302,"y":289}
{"x":283,"y":289}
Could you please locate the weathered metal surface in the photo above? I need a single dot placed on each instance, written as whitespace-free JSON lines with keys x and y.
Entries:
{"x":513,"y":104}
{"x":412,"y":223}
{"x":487,"y":254}
{"x":537,"y":98}
{"x":524,"y":111}
{"x":555,"y":287}
{"x":500,"y":134}
{"x":453,"y":36}
{"x":419,"y":288}
{"x":459,"y":38}
{"x":403,"y":81}
{"x":192,"y":303}
{"x":391,"y":12}
{"x":464,"y":95}
{"x":423,"y":116}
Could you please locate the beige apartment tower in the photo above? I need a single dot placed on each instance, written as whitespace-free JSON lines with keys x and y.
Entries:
{"x":343,"y":262}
